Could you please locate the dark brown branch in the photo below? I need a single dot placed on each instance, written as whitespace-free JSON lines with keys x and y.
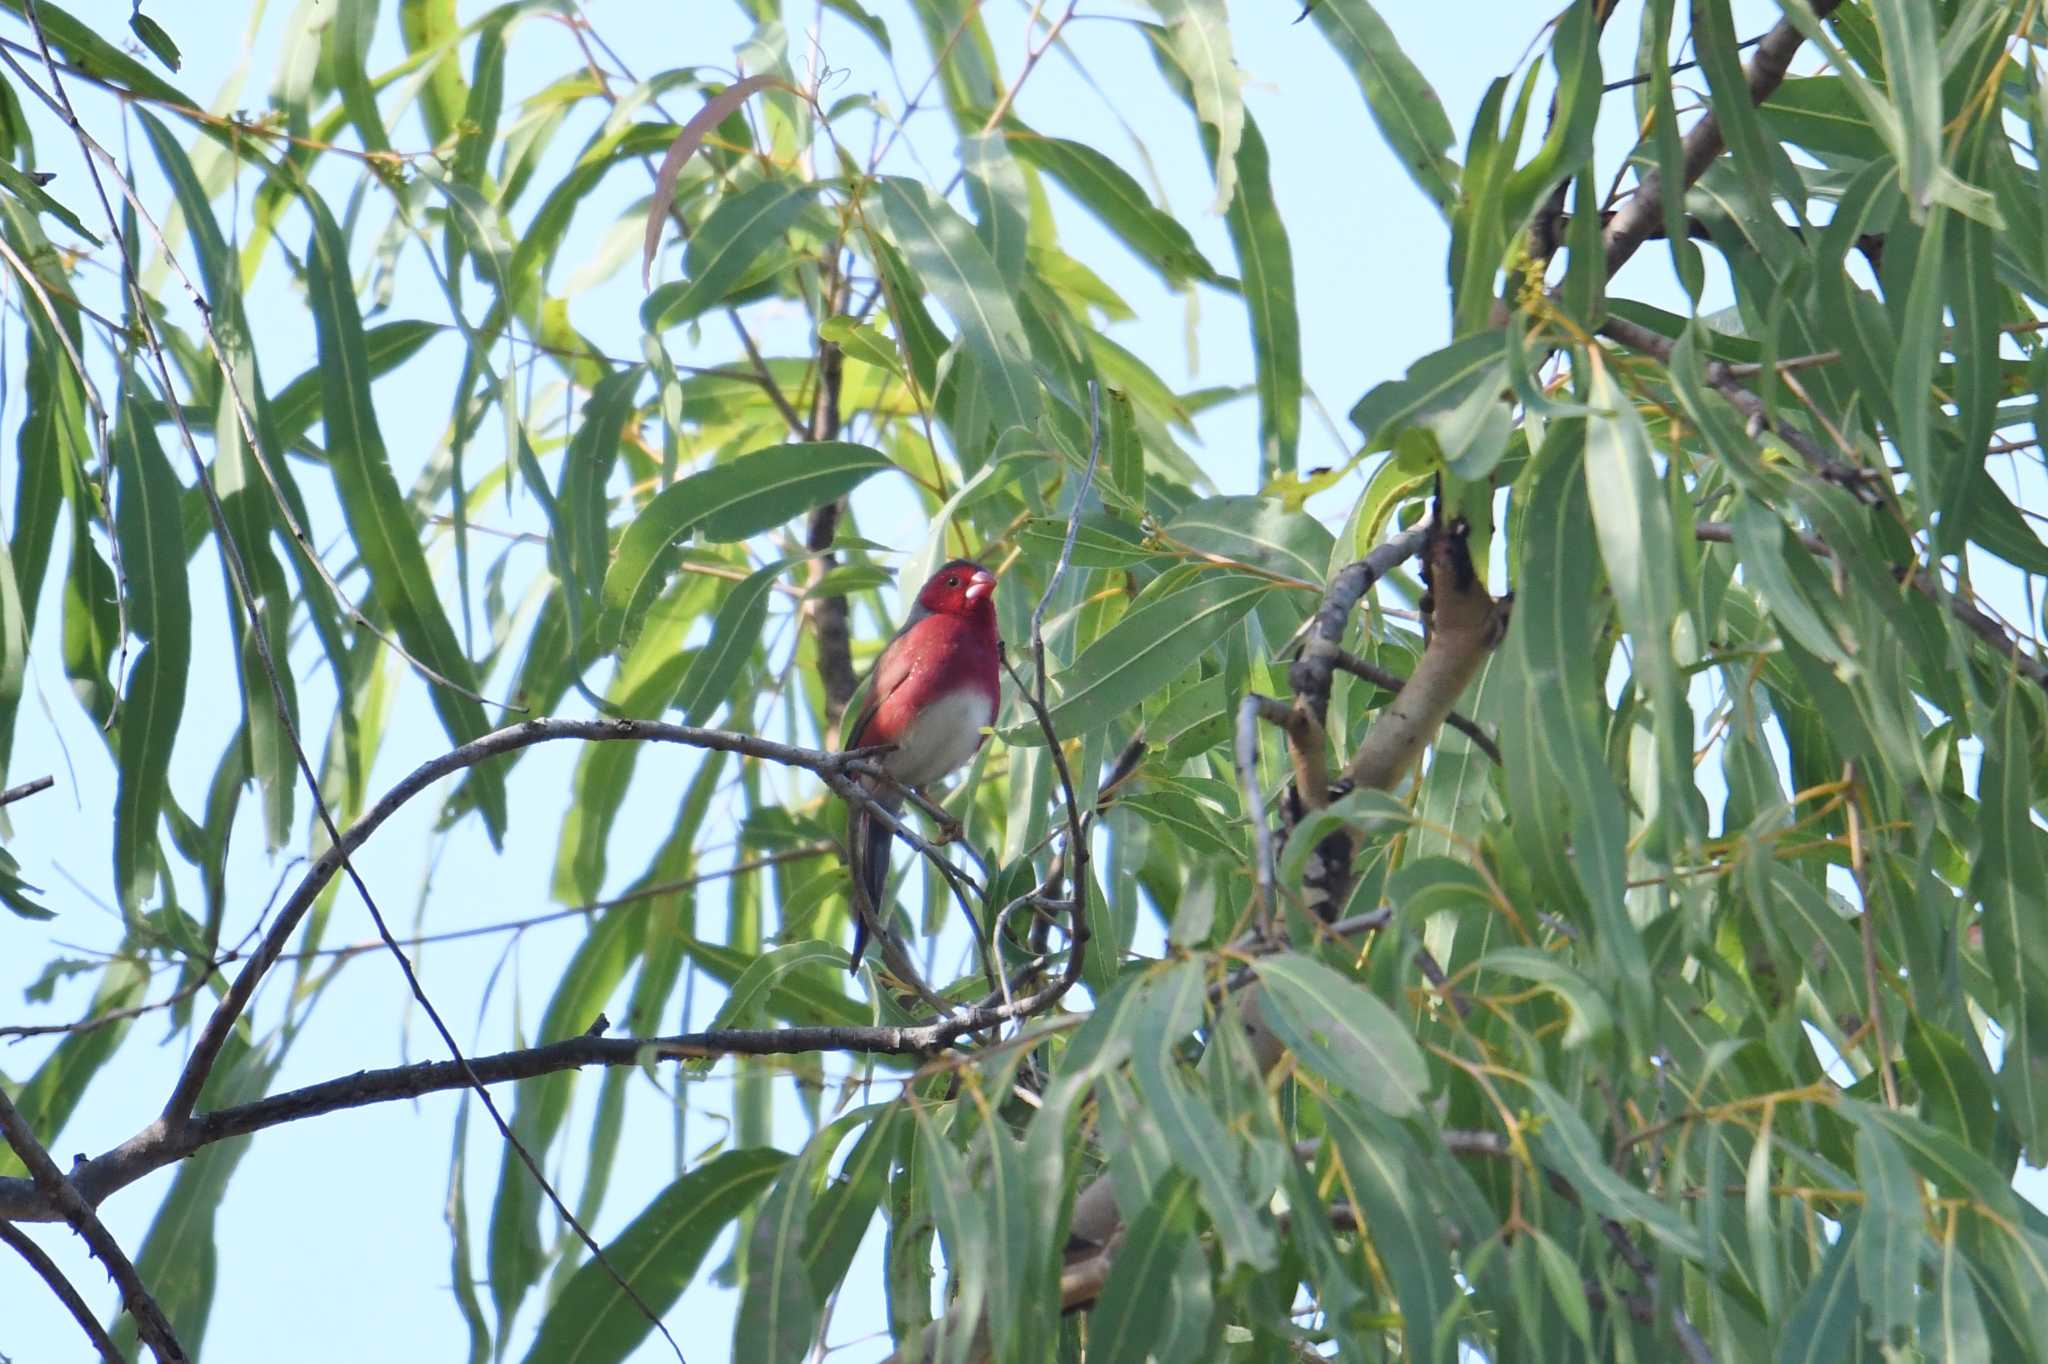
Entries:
{"x":1721,"y":378}
{"x":67,"y":1205}
{"x":60,"y":1287}
{"x":1972,"y":617}
{"x":830,"y":615}
{"x":1630,"y":226}
{"x":26,"y":789}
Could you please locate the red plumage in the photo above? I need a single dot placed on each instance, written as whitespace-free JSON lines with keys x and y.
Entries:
{"x":935,"y":690}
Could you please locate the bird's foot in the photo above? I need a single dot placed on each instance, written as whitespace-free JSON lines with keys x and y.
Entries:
{"x":950,"y":829}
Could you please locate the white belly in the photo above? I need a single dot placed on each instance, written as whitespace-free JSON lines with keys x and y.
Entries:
{"x":942,"y":739}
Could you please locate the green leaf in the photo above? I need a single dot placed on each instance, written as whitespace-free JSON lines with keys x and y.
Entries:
{"x":778,"y":1312}
{"x":1568,"y":1144}
{"x":749,"y":993}
{"x":180,"y":1253}
{"x":1912,"y":59}
{"x":1156,"y":1304}
{"x":734,"y":633}
{"x":1259,"y":531}
{"x":1198,"y":33}
{"x":861,"y":341}
{"x":55,"y":1088}
{"x":1436,"y":383}
{"x":736,"y":234}
{"x":1384,"y":1169}
{"x":515,"y":1253}
{"x":1406,"y":108}
{"x":1101,"y":542}
{"x":1632,"y":523}
{"x":2009,"y":872}
{"x":384,"y":530}
{"x":1955,"y":1332}
{"x":1822,"y":1328}
{"x":31,"y":193}
{"x":1889,"y":1235}
{"x":580,"y":500}
{"x":941,"y":250}
{"x":1201,"y":1145}
{"x":1265,"y":261}
{"x":1108,"y":191}
{"x":1342,"y":1031}
{"x":1172,"y":623}
{"x":386,"y":346}
{"x":1591,"y":1018}
{"x":657,"y":1254}
{"x":1821,"y":114}
{"x":146,"y":521}
{"x":726,"y":503}
{"x":1566,"y":812}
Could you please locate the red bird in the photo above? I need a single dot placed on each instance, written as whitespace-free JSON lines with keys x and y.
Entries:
{"x":935,"y":690}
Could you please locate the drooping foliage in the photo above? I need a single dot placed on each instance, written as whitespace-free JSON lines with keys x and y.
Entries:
{"x":1677,"y":1003}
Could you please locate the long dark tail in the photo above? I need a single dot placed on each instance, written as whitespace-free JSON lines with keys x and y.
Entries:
{"x":867,"y":848}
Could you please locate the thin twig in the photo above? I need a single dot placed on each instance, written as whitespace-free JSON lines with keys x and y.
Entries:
{"x":66,"y":1204}
{"x":60,"y":1287}
{"x":1393,"y":682}
{"x":1719,"y":376}
{"x":18,"y":1031}
{"x":26,"y":789}
{"x":160,"y":1144}
{"x":1973,"y":618}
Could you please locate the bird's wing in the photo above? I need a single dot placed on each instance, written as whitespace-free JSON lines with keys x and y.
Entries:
{"x":892,"y":670}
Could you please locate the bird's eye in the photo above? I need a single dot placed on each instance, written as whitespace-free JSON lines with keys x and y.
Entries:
{"x":952,"y":580}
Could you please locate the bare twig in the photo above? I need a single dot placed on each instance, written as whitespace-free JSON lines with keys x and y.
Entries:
{"x":18,"y":1031}
{"x":60,"y":1287}
{"x":832,"y":767}
{"x":66,"y":1204}
{"x":26,"y":789}
{"x":161,"y":1144}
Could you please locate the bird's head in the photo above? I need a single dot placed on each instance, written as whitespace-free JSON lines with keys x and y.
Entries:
{"x":960,"y":588}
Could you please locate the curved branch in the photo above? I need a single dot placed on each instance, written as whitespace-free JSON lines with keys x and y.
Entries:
{"x":831,"y":767}
{"x":162,"y":1143}
{"x":1632,"y":224}
{"x":60,"y":1287}
{"x":67,"y":1204}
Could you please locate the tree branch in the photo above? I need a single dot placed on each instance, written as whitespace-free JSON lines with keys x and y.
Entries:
{"x":68,"y":1205}
{"x":1722,"y":379}
{"x":831,"y":767}
{"x":1394,"y":682}
{"x":46,"y":1269}
{"x":26,"y":789}
{"x":829,"y":615}
{"x":1632,"y":223}
{"x":1972,"y":617}
{"x":162,"y":1143}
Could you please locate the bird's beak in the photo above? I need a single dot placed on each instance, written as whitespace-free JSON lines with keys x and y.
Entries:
{"x":981,"y":586}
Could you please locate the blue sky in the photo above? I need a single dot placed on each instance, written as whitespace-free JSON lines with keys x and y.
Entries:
{"x":331,"y":1244}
